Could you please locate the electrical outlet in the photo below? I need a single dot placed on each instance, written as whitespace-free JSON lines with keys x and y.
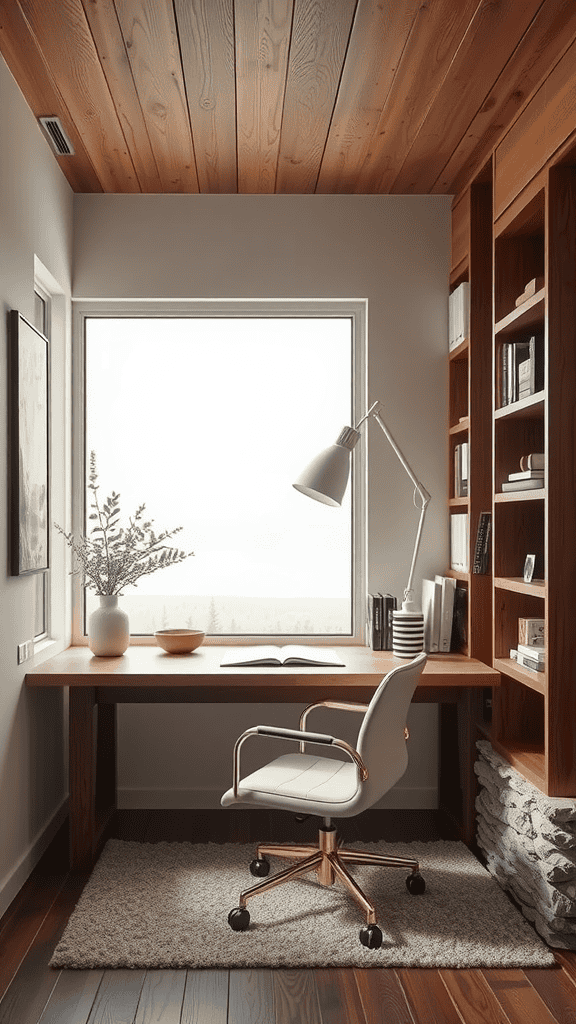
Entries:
{"x":25,"y":651}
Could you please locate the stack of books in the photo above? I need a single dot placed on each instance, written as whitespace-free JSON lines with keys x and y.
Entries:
{"x":530,"y":652}
{"x":530,"y":475}
{"x":521,"y":369}
{"x":445,"y":610}
{"x":458,"y":315}
{"x":379,"y":621}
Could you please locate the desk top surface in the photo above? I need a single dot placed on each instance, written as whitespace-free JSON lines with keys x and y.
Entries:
{"x":148,"y":666}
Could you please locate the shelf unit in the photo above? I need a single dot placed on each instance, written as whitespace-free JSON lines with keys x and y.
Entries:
{"x":534,"y":713}
{"x":469,"y":389}
{"x":470,"y":419}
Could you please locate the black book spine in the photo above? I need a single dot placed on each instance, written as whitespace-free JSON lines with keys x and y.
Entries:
{"x":377,"y":620}
{"x":389,"y":604}
{"x":482,"y":548}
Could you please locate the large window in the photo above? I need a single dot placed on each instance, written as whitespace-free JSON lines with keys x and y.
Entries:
{"x":207,"y":416}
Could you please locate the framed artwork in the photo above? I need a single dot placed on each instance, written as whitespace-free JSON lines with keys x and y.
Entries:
{"x":29,"y":450}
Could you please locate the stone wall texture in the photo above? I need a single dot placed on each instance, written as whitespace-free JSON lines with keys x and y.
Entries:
{"x":529,"y":841}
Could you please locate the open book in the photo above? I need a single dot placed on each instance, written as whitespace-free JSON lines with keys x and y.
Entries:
{"x":292,"y":654}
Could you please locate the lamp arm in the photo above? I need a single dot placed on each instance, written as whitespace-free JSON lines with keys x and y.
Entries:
{"x":421,"y":490}
{"x":375,"y":411}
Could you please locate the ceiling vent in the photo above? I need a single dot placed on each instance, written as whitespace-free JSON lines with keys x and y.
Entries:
{"x":59,"y":140}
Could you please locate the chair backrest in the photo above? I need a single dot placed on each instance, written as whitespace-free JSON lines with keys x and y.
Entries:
{"x":381,"y":741}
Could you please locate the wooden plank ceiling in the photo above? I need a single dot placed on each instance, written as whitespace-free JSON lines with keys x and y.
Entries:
{"x":280,"y":96}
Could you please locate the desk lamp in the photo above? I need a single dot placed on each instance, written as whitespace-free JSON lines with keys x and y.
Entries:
{"x":326,"y":479}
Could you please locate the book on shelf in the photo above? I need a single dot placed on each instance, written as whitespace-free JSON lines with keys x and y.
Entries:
{"x":523,"y":485}
{"x":482,"y":547}
{"x":521,"y":369}
{"x":459,"y":542}
{"x":532,"y":632}
{"x":461,"y":470}
{"x":459,"y":638}
{"x":458,"y":315}
{"x":431,"y":607}
{"x":291,"y":654}
{"x":533,"y":461}
{"x":527,"y":474}
{"x":532,"y":652}
{"x":525,"y":661}
{"x":447,"y":588}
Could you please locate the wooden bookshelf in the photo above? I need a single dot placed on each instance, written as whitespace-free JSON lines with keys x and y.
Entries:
{"x":470,"y":389}
{"x":530,"y":234}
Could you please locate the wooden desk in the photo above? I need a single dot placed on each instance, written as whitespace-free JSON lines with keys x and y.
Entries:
{"x":148,"y":675}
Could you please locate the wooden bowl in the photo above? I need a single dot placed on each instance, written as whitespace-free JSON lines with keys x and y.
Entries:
{"x":179,"y":641}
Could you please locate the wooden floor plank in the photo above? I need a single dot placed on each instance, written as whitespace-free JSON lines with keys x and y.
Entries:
{"x":567,"y":960}
{"x":34,"y":981}
{"x":519,"y":1000}
{"x":382,"y":996}
{"x":118,"y":997}
{"x":473,"y":997}
{"x":72,"y":997}
{"x":296,"y":997}
{"x":205,"y":997}
{"x":251,"y":998}
{"x":428,"y":997}
{"x":23,"y":918}
{"x":339,"y":997}
{"x":161,"y":998}
{"x":557,"y":990}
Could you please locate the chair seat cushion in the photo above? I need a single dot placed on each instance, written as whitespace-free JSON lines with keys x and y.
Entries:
{"x":318,"y":784}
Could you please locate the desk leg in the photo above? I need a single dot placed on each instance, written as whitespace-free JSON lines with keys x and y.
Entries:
{"x":469,"y":711}
{"x":82,"y":780}
{"x":106,"y":769}
{"x":458,"y":733}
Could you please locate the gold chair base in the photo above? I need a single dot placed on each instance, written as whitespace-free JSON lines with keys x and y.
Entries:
{"x":329,"y":861}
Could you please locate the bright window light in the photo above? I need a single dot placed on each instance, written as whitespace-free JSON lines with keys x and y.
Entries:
{"x":208,"y":420}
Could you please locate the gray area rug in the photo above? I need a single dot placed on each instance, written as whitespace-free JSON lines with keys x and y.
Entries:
{"x":165,"y":905}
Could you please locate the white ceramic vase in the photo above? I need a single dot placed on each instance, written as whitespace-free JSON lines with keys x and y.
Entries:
{"x":108,"y":628}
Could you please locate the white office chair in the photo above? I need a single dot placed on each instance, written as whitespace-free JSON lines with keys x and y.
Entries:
{"x":314,"y":784}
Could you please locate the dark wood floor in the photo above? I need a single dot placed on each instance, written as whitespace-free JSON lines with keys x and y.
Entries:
{"x":31,"y":992}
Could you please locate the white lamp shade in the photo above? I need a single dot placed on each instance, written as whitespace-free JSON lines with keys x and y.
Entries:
{"x":326,"y":477}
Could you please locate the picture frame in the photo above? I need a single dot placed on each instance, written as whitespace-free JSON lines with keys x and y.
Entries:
{"x":529,"y":566}
{"x":28,"y":376}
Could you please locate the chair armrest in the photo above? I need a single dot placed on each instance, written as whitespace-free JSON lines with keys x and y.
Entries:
{"x":338,"y":704}
{"x":297,"y":735}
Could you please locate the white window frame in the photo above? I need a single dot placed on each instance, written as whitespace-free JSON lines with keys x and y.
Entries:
{"x":355,"y":309}
{"x":46,"y":329}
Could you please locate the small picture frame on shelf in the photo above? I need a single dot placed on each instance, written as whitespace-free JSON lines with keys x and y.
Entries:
{"x":529,"y":566}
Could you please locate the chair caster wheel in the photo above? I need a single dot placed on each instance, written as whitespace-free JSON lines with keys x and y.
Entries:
{"x":260,"y":867}
{"x":415,"y":884}
{"x":371,"y":936}
{"x":239,"y":919}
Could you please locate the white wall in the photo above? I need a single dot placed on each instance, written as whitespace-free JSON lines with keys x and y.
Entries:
{"x":394,"y":250}
{"x":35,"y":223}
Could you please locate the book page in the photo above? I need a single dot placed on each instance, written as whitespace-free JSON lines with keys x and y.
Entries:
{"x":257,"y":655}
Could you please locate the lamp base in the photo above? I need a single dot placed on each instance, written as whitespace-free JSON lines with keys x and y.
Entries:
{"x":407,"y":633}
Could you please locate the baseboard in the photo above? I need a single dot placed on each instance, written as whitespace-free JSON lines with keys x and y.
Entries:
{"x":11,"y":884}
{"x":399,"y":798}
